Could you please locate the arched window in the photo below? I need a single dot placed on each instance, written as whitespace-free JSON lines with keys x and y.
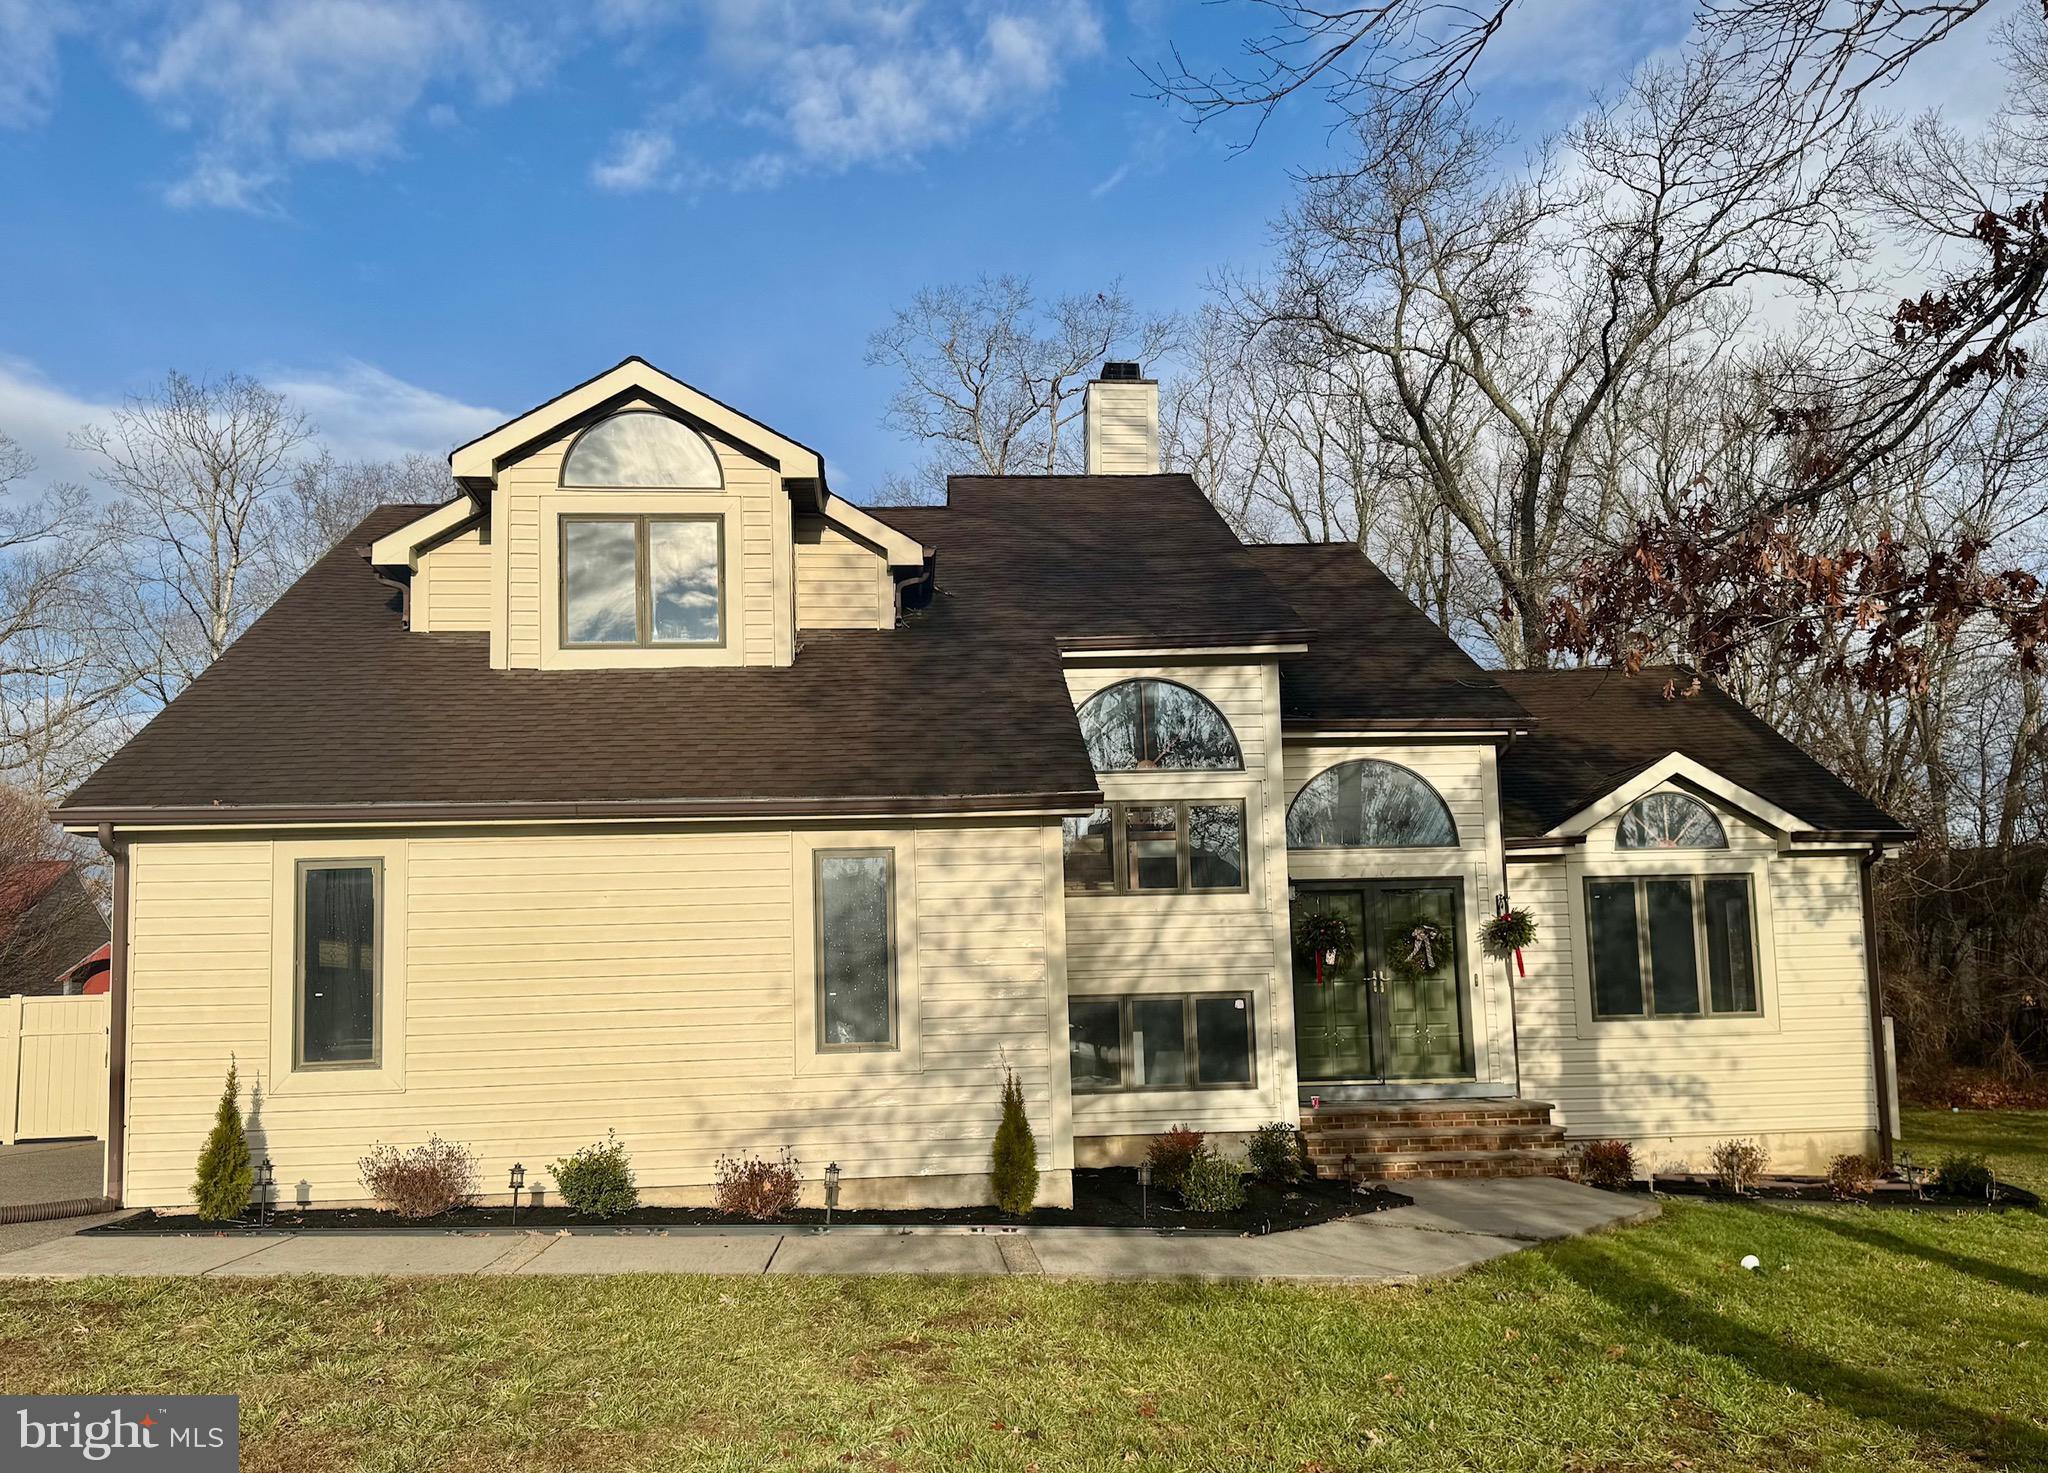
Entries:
{"x":639,"y":447}
{"x":1670,"y":821}
{"x":1139,"y":725}
{"x":1368,"y":804}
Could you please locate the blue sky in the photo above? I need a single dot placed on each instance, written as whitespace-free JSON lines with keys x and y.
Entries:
{"x":420,"y":216}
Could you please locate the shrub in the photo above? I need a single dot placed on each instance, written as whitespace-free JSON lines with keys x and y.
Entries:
{"x":1739,"y":1165}
{"x":1171,"y":1154}
{"x":1208,"y":1183}
{"x":1274,"y":1152}
{"x":1965,"y":1174}
{"x":598,"y":1180}
{"x":762,"y":1190}
{"x":1013,"y":1164}
{"x":221,"y":1188}
{"x":423,"y":1182}
{"x":1853,"y":1175}
{"x":1608,"y":1164}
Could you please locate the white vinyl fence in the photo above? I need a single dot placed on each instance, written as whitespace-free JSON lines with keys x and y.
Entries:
{"x":53,"y":1067}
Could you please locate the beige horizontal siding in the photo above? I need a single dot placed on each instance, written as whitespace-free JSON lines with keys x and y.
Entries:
{"x":452,"y":587}
{"x":559,"y":985}
{"x":840,"y":581}
{"x":1800,"y":1079}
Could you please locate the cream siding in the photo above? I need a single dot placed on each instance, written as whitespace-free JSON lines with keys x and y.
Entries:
{"x":556,"y":984}
{"x":452,"y":587}
{"x":758,"y":590}
{"x":841,"y":581}
{"x":1465,"y":776}
{"x":1130,"y":944}
{"x":1799,"y":1079}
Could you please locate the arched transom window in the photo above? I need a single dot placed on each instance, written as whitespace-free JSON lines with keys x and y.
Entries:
{"x":1141,"y":725}
{"x":1368,"y":804}
{"x":639,"y":447}
{"x":1670,"y":821}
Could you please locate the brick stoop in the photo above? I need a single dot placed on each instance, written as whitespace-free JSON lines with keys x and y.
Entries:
{"x":1399,"y":1140}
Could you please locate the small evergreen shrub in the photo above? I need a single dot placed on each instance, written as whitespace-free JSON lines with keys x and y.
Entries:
{"x":762,"y":1190}
{"x":1739,"y":1165}
{"x":225,"y":1176}
{"x":1013,"y":1164}
{"x":1171,"y":1154}
{"x":1607,"y":1164}
{"x":1275,"y":1152}
{"x":1965,"y":1174}
{"x":1209,"y":1183}
{"x":1852,"y":1175}
{"x":597,"y":1181}
{"x":425,"y":1181}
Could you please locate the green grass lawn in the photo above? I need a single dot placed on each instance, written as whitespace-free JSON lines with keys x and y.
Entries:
{"x":1869,"y":1340}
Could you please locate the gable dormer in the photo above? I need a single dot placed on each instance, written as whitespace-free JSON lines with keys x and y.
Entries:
{"x":636,"y":522}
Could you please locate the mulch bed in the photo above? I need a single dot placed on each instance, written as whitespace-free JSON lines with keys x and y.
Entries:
{"x":1815,"y":1189}
{"x":1102,"y":1198}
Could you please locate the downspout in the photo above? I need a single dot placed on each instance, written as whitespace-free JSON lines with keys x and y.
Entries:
{"x":1874,"y":976}
{"x":117,"y":1018}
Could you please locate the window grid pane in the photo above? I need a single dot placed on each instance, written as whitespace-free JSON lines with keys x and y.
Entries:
{"x":683,"y":558}
{"x":1159,"y":1042}
{"x":1674,"y":959}
{"x":1095,"y":1043}
{"x":1615,"y":948}
{"x":600,"y":582}
{"x":1731,"y":951}
{"x":854,"y":951}
{"x":1152,"y":846}
{"x":338,"y":965}
{"x":1215,"y":846}
{"x":1223,"y":1040}
{"x":1090,"y":862}
{"x":1178,"y":1041}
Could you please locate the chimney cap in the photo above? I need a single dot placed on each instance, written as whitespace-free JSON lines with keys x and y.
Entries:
{"x":1121,"y":370}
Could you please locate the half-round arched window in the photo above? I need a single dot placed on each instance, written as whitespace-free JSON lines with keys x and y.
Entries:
{"x":1139,"y":725}
{"x":1670,"y":821}
{"x":1368,"y":804}
{"x":639,"y":447}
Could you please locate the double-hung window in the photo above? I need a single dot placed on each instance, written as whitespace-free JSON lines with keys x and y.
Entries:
{"x":1200,"y":1040}
{"x":1130,"y":848}
{"x":642,"y":581}
{"x":1672,"y":946}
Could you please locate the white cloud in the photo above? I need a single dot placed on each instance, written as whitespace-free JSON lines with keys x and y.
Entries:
{"x":266,"y":84}
{"x":29,"y":33}
{"x":360,"y":411}
{"x":639,"y":160}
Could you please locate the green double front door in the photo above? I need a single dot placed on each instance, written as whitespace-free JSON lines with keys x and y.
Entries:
{"x":1389,"y":1004}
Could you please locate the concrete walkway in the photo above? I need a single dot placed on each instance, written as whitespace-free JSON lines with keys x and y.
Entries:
{"x":50,"y":1171}
{"x":1452,"y":1226}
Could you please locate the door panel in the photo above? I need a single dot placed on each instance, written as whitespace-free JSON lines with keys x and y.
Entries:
{"x":1331,"y":1035}
{"x":1425,"y":1015}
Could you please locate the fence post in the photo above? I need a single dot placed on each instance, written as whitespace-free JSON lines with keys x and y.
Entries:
{"x":10,"y":1066}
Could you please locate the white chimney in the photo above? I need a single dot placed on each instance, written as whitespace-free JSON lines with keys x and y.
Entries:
{"x":1120,"y":422}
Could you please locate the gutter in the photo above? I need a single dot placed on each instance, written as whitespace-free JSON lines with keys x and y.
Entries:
{"x":1874,"y":978}
{"x":117,"y":1018}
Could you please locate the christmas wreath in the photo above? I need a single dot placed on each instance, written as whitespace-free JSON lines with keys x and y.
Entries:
{"x":1416,"y":949}
{"x":1507,"y":933}
{"x":1326,"y":937}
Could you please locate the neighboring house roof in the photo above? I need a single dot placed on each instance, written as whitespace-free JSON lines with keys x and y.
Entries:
{"x":48,"y":921}
{"x":90,"y":977}
{"x":1378,"y":661}
{"x":329,"y":703}
{"x":1598,"y":728}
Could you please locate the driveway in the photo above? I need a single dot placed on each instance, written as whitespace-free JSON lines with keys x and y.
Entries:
{"x":50,"y":1171}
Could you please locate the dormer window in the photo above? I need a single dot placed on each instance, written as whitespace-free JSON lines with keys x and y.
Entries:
{"x":639,"y":447}
{"x":642,"y":581}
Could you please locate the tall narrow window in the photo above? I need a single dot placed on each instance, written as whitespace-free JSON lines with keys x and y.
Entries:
{"x":338,"y":964}
{"x":856,"y":950}
{"x":642,"y":581}
{"x":1090,"y":864}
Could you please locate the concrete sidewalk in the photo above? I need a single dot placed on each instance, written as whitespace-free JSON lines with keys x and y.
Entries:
{"x":50,"y":1171}
{"x":1452,"y":1226}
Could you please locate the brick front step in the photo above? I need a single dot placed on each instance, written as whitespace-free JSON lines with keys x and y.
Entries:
{"x":1441,"y":1165}
{"x":1332,"y":1145}
{"x":1453,"y":1113}
{"x":1407,"y":1139}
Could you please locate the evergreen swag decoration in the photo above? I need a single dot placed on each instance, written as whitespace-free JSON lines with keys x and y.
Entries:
{"x":1416,"y":949}
{"x":1507,"y":933}
{"x":1325,"y":934}
{"x":221,"y":1189}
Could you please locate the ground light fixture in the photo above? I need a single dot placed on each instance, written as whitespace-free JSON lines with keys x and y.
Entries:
{"x":831,"y":1192}
{"x":266,"y":1183}
{"x":1144,"y":1191}
{"x":517,"y":1182}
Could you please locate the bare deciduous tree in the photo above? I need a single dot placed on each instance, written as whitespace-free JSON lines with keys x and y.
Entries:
{"x":327,"y":498}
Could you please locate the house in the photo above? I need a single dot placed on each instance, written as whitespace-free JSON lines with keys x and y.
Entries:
{"x":49,"y":927}
{"x":651,"y":785}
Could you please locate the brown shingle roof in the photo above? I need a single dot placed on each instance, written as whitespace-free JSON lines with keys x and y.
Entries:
{"x":328,"y":701}
{"x":1377,"y":660}
{"x":1598,"y":728}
